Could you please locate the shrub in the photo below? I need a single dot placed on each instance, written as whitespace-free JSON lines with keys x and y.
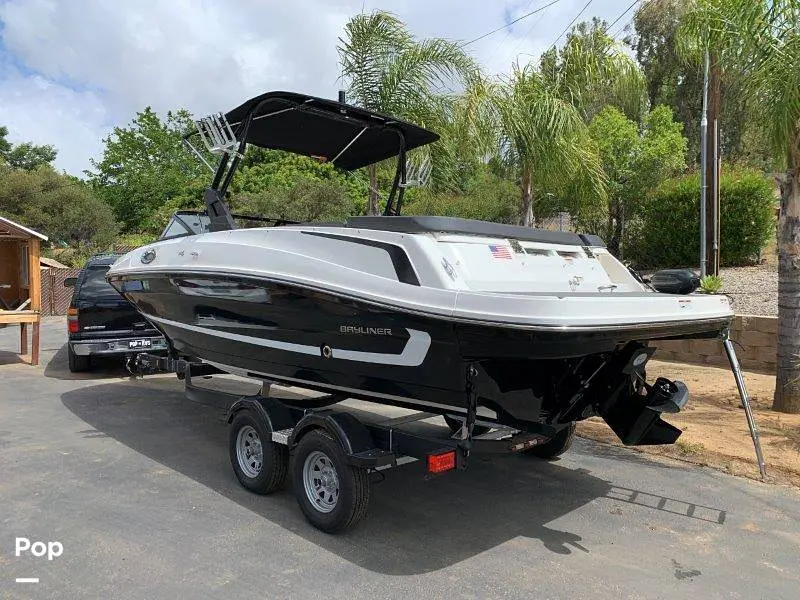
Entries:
{"x":62,"y":207}
{"x":306,"y":200}
{"x":487,"y":197}
{"x":711,"y":284}
{"x":669,"y":228}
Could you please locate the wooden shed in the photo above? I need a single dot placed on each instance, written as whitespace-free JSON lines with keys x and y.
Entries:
{"x":20,"y":283}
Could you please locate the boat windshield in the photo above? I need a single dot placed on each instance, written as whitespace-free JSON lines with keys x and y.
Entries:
{"x":189,"y":222}
{"x":185,"y":223}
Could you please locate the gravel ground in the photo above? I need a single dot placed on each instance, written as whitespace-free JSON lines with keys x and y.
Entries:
{"x":754,"y":290}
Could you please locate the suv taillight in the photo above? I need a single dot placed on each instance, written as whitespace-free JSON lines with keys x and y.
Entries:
{"x":72,"y":320}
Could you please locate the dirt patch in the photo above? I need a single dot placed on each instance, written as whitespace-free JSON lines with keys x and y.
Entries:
{"x":715,"y":429}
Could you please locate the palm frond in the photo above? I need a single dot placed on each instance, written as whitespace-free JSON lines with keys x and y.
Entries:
{"x":547,"y":133}
{"x":368,"y":46}
{"x":761,"y":41}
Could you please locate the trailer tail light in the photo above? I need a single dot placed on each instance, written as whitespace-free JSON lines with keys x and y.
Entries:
{"x":72,"y":320}
{"x":439,"y":463}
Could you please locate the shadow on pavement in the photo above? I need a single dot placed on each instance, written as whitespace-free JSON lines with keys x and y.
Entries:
{"x":415,"y":525}
{"x":102,"y":367}
{"x":10,"y":358}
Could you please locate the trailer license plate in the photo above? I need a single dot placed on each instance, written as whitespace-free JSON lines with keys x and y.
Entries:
{"x":139,"y":344}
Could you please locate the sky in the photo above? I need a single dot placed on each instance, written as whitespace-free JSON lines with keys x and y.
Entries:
{"x":72,"y":70}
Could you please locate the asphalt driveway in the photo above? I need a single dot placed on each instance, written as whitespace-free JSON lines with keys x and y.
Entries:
{"x":134,"y":481}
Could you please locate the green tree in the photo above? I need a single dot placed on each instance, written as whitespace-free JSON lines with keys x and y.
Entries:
{"x":761,"y":40}
{"x":545,"y":137}
{"x":388,"y":70}
{"x":635,"y":160}
{"x":279,"y":184}
{"x":306,"y":200}
{"x":146,"y":166}
{"x":485,"y":196}
{"x":264,"y":169}
{"x":469,"y":132}
{"x":25,"y":156}
{"x":62,"y":207}
{"x":592,"y":71}
{"x":673,"y":81}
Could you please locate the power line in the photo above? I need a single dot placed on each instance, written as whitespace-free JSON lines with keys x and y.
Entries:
{"x":571,"y":23}
{"x":508,"y":33}
{"x":628,"y":22}
{"x":627,"y":10}
{"x":517,"y":20}
{"x":528,"y":32}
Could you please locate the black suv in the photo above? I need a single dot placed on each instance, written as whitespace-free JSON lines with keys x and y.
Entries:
{"x":101,"y":322}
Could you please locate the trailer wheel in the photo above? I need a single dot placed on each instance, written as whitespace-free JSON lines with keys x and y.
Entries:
{"x":555,"y":446}
{"x":260,"y":464}
{"x":332,"y":494}
{"x":455,"y":425}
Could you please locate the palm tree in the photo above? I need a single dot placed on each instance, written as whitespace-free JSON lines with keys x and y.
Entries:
{"x":761,"y":38}
{"x":547,"y":137}
{"x":469,"y":133}
{"x":389,"y":71}
{"x":592,"y":71}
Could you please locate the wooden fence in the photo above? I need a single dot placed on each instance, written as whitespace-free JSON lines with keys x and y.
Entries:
{"x":56,"y":297}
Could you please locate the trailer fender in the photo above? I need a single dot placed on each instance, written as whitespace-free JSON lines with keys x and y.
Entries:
{"x":275,"y":415}
{"x":352,"y":435}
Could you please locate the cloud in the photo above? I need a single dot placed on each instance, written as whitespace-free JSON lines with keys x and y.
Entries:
{"x":42,"y":112}
{"x":72,"y":69}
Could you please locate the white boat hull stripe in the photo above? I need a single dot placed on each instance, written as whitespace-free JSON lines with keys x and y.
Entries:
{"x":413,"y":354}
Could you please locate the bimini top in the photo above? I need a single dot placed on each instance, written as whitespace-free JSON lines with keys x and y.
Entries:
{"x":348,"y":136}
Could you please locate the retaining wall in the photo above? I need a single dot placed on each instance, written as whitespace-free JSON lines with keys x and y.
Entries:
{"x":756,"y":347}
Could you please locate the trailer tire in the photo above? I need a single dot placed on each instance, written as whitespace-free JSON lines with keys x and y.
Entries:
{"x":260,"y":464}
{"x":332,"y":493}
{"x":555,"y":446}
{"x":456,"y":424}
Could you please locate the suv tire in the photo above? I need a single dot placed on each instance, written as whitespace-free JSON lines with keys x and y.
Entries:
{"x":77,"y":363}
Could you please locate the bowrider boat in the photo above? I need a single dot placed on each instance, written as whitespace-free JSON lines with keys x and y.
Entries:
{"x":525,"y":328}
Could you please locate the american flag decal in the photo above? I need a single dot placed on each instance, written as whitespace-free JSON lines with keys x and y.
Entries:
{"x":500,"y":251}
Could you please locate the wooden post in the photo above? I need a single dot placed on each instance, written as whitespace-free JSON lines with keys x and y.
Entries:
{"x":34,"y":275}
{"x":35,"y":290}
{"x":23,"y":338}
{"x":35,"y":344}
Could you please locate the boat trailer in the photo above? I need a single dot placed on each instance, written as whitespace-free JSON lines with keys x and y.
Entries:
{"x":332,"y":453}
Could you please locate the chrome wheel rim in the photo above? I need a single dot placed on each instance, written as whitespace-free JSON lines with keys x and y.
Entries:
{"x":249,"y":452}
{"x":321,"y":481}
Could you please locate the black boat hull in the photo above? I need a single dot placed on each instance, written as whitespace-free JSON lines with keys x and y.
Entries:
{"x":328,"y":342}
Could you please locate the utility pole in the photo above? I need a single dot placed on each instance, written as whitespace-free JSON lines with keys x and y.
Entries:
{"x":712,"y":168}
{"x":703,"y":172}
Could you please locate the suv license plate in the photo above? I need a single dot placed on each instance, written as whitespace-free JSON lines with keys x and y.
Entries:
{"x":139,"y":344}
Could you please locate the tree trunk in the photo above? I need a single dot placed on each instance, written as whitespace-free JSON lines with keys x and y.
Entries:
{"x":615,"y":228}
{"x":373,"y":208}
{"x":527,"y":198}
{"x":787,"y":383}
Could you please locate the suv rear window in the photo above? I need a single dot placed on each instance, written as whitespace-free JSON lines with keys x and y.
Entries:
{"x":95,"y":284}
